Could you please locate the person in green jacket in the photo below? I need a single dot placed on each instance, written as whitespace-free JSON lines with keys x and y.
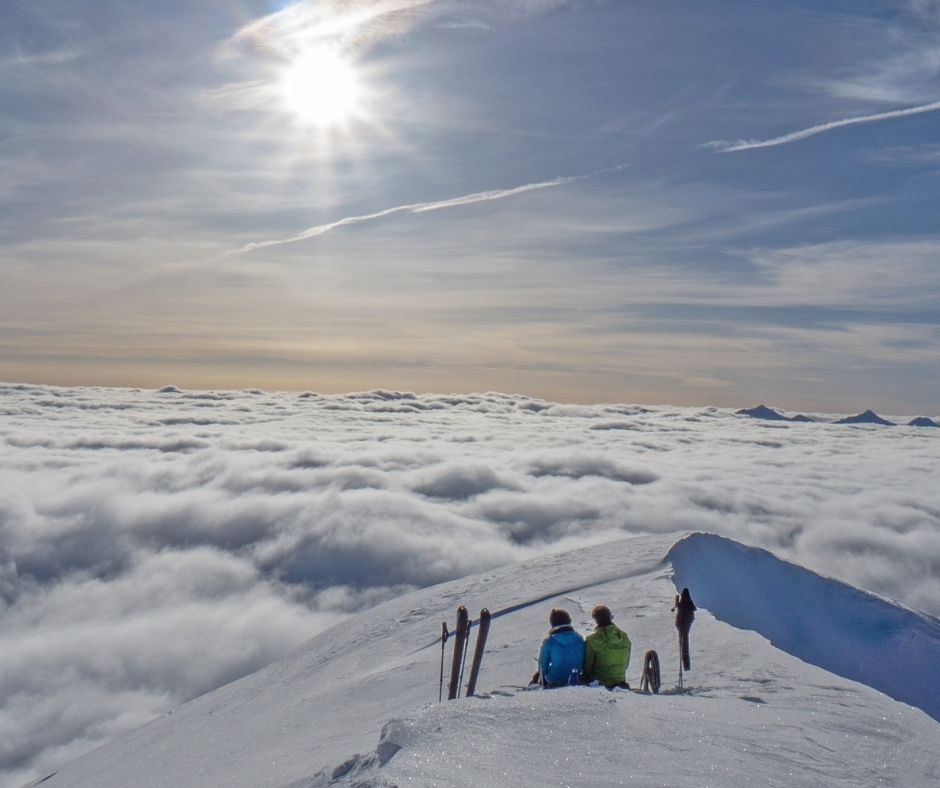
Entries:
{"x":606,"y":651}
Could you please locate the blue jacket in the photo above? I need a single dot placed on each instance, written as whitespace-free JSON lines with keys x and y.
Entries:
{"x":562,"y":651}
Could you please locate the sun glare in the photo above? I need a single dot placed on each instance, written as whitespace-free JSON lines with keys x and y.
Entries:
{"x":321,"y":88}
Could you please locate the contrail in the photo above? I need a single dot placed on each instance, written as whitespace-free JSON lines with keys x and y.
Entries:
{"x":724,"y":146}
{"x":423,"y":207}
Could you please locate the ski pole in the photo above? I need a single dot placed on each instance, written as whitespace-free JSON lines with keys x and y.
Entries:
{"x":440,"y":691}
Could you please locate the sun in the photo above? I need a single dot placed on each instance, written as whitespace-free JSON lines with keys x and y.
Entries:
{"x":321,"y":88}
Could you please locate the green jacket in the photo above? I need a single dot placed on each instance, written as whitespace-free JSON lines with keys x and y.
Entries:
{"x":606,"y":655}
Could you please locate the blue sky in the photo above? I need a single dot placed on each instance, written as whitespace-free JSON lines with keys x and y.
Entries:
{"x":683,"y":202}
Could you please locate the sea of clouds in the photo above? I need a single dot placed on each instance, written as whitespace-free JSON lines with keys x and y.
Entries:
{"x":157,"y":544}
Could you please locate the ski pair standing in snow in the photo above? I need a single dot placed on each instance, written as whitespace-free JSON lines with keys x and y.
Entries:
{"x":461,"y":643}
{"x":685,"y":609}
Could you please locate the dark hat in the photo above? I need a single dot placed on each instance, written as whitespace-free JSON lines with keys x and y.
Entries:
{"x":602,"y":615}
{"x":558,"y":617}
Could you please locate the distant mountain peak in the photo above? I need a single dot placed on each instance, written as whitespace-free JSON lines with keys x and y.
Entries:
{"x":868,"y":417}
{"x":763,"y":412}
{"x":922,"y":421}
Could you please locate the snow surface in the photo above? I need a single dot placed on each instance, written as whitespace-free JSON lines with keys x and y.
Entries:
{"x":822,"y":621}
{"x":357,"y":705}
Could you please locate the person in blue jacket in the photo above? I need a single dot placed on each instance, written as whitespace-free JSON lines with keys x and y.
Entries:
{"x":562,"y":652}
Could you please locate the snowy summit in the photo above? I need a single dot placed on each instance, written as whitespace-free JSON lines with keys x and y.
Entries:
{"x":357,"y":705}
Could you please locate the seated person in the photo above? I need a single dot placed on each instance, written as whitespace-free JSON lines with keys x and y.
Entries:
{"x":562,"y":652}
{"x":606,"y":651}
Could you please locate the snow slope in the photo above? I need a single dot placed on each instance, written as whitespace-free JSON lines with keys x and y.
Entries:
{"x":822,"y":621}
{"x":358,"y":704}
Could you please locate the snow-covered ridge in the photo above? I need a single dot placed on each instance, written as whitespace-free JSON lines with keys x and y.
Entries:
{"x":822,"y":621}
{"x":357,"y":705}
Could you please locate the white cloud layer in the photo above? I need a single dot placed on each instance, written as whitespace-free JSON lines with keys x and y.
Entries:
{"x":154,"y":545}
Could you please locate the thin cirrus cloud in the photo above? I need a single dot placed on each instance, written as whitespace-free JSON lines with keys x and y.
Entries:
{"x":359,"y":24}
{"x":56,"y":57}
{"x":154,"y":545}
{"x":725,"y":146}
{"x":424,"y":207}
{"x":350,"y":24}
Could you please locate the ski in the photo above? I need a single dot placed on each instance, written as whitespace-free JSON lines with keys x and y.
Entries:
{"x":460,"y":638}
{"x":482,"y":632}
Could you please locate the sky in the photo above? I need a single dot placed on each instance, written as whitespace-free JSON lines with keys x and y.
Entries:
{"x":684,"y":203}
{"x":157,"y":544}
